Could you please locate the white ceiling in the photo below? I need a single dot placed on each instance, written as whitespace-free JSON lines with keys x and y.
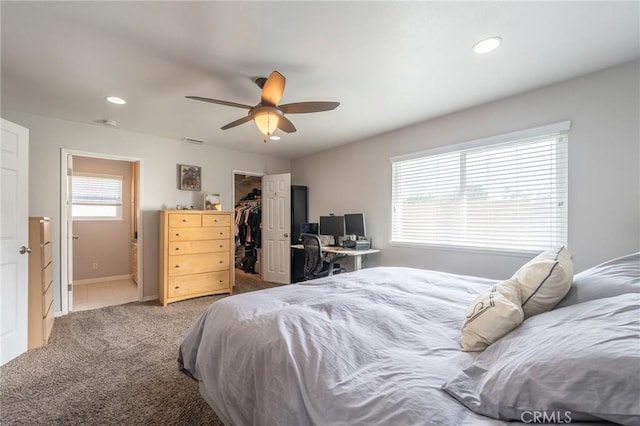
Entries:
{"x":390,"y":64}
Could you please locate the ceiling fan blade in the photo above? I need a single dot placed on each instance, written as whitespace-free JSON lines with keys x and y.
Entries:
{"x":273,"y":89}
{"x":303,"y":107}
{"x":236,"y":123}
{"x":216,"y":101}
{"x":285,"y":125}
{"x":260,"y":81}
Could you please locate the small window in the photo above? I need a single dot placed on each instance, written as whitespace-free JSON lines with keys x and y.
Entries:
{"x":509,"y":195}
{"x":96,"y":197}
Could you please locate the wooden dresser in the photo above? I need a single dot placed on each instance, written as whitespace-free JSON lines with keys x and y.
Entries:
{"x":196,"y":254}
{"x":134,"y":261}
{"x":40,"y":282}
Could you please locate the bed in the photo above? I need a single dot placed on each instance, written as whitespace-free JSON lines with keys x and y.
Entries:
{"x":381,"y":346}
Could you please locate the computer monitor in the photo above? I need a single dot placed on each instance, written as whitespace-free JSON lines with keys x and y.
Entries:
{"x":354,"y":224}
{"x":332,"y":225}
{"x":309,"y":228}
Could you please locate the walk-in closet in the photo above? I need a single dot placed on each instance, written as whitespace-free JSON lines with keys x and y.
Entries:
{"x":248,"y":222}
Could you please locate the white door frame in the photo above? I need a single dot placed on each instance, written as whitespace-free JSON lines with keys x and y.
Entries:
{"x":64,"y":196}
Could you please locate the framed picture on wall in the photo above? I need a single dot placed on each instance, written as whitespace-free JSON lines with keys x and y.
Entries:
{"x":189,"y":177}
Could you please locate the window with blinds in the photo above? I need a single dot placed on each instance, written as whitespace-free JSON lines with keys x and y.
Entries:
{"x":96,"y":197}
{"x":508,"y":196}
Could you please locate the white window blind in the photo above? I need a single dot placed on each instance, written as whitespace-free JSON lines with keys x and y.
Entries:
{"x":97,"y":197}
{"x":508,"y":196}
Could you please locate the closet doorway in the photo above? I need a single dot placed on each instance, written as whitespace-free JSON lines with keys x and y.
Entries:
{"x":101,"y":259}
{"x":247,"y":196}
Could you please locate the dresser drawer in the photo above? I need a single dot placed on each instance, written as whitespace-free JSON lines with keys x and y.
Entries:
{"x":199,"y":283}
{"x":48,"y":323}
{"x":216,"y":220}
{"x":47,"y":276}
{"x":47,"y":300}
{"x":182,"y":220}
{"x":47,"y":254}
{"x":45,"y":231}
{"x":198,"y":234}
{"x":197,"y":263}
{"x":192,"y":247}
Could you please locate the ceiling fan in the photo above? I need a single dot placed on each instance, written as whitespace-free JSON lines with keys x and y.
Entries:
{"x":267,"y":114}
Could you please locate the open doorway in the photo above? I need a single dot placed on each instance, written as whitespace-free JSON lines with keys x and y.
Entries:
{"x":247,"y":190}
{"x":102,"y":229}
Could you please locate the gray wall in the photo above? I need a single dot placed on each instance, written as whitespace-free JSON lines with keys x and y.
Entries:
{"x":106,"y":243}
{"x":604,"y":180}
{"x":158,"y":185}
{"x":604,"y":177}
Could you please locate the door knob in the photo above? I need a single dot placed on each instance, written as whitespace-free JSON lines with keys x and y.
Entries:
{"x":75,"y":237}
{"x":24,"y":250}
{"x":286,"y":235}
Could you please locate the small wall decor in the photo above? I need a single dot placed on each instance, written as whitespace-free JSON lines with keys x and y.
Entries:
{"x":189,"y":177}
{"x":212,"y":201}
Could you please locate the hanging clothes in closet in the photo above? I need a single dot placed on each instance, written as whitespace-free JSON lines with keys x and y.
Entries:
{"x":248,"y":220}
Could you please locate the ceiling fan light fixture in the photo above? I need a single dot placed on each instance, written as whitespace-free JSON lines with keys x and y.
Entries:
{"x":487,"y":45}
{"x":274,"y":137}
{"x":267,"y":122}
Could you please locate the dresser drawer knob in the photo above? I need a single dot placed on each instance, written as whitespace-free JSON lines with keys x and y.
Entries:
{"x":221,"y":281}
{"x":222,"y":261}
{"x":177,"y":266}
{"x":177,"y":248}
{"x":177,"y":235}
{"x":221,"y":245}
{"x":176,"y":287}
{"x":184,"y":220}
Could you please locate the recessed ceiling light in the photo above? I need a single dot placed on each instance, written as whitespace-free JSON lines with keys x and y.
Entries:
{"x":116,"y":100}
{"x":274,"y":137}
{"x":487,"y":45}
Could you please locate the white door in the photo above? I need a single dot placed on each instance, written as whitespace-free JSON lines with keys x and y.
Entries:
{"x":276,"y":228}
{"x":14,"y":234}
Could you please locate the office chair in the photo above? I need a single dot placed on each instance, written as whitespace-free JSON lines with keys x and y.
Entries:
{"x":314,"y":264}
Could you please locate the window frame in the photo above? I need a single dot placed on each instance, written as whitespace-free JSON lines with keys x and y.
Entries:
{"x":555,"y":129}
{"x":119,"y":217}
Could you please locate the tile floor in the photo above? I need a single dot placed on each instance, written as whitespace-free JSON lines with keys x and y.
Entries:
{"x":108,"y":293}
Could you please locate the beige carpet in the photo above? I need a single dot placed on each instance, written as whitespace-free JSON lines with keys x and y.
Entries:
{"x":111,"y":366}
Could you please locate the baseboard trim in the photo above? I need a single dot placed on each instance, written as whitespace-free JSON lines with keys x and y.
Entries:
{"x":148,"y":298}
{"x":101,"y":279}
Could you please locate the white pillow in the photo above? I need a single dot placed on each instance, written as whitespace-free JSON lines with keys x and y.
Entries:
{"x":544,"y":281}
{"x":582,"y":360}
{"x":494,"y":313}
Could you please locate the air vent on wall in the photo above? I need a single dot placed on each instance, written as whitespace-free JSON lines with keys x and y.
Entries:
{"x":194,"y":141}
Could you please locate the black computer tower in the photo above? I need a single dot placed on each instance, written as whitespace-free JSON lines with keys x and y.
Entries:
{"x":299,"y":215}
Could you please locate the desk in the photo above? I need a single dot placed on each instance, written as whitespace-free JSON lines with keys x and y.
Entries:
{"x":356,"y":254}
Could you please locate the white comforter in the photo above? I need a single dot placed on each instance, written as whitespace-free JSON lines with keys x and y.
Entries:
{"x":371,"y":347}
